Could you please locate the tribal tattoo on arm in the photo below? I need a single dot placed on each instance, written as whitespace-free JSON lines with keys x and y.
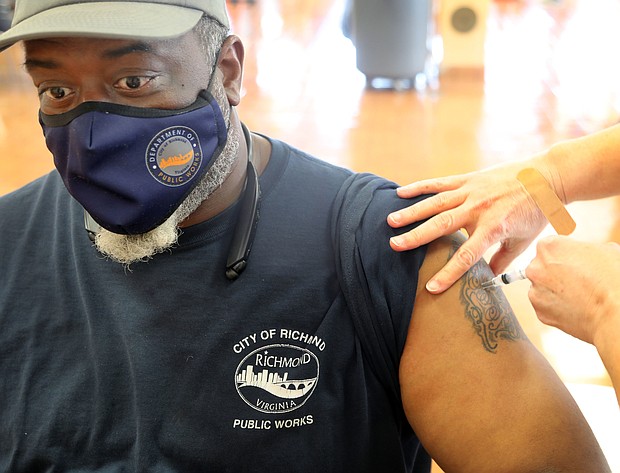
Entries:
{"x":488,"y":310}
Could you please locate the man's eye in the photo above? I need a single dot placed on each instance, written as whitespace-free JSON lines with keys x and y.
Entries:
{"x":133,"y":82}
{"x":56,"y":93}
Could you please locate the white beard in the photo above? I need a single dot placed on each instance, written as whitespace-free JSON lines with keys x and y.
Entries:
{"x":128,"y":249}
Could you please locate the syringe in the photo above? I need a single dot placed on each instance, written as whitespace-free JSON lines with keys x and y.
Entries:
{"x":504,"y":279}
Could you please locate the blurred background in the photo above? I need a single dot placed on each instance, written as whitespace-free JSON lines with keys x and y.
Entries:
{"x":412,"y":89}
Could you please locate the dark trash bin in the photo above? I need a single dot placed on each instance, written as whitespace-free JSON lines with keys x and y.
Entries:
{"x":392,"y":39}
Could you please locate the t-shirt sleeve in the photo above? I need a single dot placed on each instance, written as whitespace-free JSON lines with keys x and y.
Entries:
{"x":379,"y":283}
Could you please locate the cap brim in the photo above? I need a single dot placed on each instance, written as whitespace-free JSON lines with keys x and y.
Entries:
{"x":105,"y":20}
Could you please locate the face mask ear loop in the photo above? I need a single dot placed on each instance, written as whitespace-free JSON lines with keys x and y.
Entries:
{"x":211,"y":77}
{"x":214,"y":68}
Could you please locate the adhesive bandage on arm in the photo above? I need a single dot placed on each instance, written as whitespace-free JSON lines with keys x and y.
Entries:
{"x":548,"y":202}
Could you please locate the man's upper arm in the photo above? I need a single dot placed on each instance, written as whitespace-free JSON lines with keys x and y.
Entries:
{"x":478,"y":394}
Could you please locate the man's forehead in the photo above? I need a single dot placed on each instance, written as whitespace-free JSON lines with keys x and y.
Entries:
{"x":99,"y":43}
{"x":106,"y":47}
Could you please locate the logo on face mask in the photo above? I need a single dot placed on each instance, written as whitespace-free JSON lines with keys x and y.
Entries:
{"x":174,"y":155}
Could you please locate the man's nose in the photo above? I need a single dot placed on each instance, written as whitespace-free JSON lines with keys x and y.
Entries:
{"x":94,"y":92}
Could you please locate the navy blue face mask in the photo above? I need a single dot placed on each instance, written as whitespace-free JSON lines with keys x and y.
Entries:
{"x":131,"y":167}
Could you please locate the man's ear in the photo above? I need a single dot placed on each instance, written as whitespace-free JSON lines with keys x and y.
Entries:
{"x":230,"y":64}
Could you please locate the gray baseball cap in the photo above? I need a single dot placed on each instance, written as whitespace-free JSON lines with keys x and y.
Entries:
{"x":139,"y":19}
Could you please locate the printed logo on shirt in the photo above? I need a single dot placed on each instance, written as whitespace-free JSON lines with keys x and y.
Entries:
{"x":277,"y":378}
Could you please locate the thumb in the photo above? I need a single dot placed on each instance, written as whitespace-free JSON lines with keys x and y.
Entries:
{"x":506,"y":254}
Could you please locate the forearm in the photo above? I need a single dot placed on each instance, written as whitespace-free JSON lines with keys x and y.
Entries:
{"x":584,"y":168}
{"x":608,"y":347}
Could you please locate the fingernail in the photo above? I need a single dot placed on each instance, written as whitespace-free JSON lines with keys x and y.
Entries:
{"x":432,"y":286}
{"x":397,"y":241}
{"x":395,"y":218}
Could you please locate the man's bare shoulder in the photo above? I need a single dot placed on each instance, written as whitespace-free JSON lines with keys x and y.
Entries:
{"x":479,"y":395}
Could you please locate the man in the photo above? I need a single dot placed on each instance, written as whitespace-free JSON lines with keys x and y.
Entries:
{"x":224,"y":322}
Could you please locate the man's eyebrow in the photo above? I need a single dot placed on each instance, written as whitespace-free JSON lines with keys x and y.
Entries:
{"x":30,"y":64}
{"x":136,"y":47}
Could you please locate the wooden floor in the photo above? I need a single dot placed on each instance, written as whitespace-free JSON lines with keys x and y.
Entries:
{"x":550,"y":73}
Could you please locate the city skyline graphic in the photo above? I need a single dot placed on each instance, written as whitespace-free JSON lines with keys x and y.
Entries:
{"x":274,"y":383}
